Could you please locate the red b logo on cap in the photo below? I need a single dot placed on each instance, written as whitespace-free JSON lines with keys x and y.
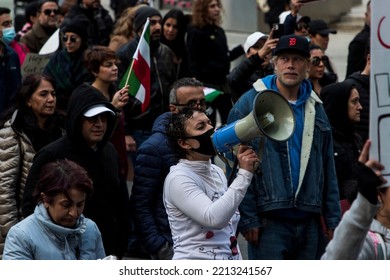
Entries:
{"x":292,"y":42}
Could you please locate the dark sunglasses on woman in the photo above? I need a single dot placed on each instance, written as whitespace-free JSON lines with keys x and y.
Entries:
{"x":72,"y":39}
{"x":315,"y":60}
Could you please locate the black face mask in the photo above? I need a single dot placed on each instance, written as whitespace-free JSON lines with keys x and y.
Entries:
{"x":206,"y":144}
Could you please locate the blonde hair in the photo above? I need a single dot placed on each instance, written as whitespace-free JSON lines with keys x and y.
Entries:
{"x":124,"y":24}
{"x":200,"y":13}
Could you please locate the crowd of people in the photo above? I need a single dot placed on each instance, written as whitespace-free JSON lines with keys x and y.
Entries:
{"x":72,"y":139}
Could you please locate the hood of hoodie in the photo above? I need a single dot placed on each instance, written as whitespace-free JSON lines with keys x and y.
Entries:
{"x":82,"y":98}
{"x":335,"y":98}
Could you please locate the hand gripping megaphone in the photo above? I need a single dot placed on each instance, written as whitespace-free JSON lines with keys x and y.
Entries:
{"x":272,"y":117}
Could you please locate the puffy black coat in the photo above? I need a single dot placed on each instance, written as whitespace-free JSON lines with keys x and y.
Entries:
{"x":154,"y":159}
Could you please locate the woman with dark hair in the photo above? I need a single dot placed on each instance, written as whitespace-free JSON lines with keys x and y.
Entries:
{"x":202,"y":209}
{"x":317,"y":67}
{"x":31,"y":124}
{"x":174,"y":28}
{"x":66,"y":65}
{"x":343,"y":108}
{"x":209,"y":54}
{"x":57,"y":230}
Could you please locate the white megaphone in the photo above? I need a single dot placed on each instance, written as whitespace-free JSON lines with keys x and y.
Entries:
{"x":272,"y":117}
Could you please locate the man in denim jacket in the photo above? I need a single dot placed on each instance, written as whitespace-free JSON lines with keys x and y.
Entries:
{"x":282,"y":211}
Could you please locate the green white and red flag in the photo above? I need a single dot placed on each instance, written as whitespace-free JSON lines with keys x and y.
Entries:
{"x":138,"y":74}
{"x":211,"y":93}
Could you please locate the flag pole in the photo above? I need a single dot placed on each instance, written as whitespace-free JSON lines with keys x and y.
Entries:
{"x":128,"y":74}
{"x":136,"y":51}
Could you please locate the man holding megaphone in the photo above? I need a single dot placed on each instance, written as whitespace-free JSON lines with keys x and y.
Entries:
{"x":297,"y":186}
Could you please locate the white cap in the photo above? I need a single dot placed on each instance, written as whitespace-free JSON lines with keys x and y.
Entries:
{"x":96,"y":110}
{"x":252,"y":40}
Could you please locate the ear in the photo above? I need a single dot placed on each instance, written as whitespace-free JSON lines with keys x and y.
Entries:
{"x":173,"y":108}
{"x":44,"y":199}
{"x":183,"y":144}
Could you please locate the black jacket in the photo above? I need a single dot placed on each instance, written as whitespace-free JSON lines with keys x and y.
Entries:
{"x":209,"y":55}
{"x":154,"y":158}
{"x":108,"y":204}
{"x":356,"y":51}
{"x":242,"y":77}
{"x":346,"y":143}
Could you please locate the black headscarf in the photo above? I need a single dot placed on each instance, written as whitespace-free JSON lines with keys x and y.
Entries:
{"x":335,"y":97}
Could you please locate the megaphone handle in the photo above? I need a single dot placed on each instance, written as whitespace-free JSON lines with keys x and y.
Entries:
{"x":257,"y":168}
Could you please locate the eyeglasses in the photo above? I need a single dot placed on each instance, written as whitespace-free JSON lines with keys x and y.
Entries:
{"x":194,"y":103}
{"x":315,"y":60}
{"x":48,"y":12}
{"x":7,"y":23}
{"x":72,"y":39}
{"x":94,"y":119}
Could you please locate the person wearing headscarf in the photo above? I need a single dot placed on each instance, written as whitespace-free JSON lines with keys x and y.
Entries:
{"x":66,"y":66}
{"x":342,"y":106}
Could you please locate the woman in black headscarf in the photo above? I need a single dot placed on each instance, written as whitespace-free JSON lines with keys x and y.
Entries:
{"x":66,"y":66}
{"x":342,"y":105}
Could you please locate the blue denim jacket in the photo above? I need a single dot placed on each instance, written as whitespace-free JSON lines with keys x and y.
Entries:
{"x":317,"y":191}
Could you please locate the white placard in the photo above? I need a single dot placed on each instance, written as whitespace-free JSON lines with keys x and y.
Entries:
{"x":380,"y":84}
{"x":34,"y":63}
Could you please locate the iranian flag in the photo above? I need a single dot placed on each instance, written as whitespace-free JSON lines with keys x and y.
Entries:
{"x":211,"y":93}
{"x":138,"y":74}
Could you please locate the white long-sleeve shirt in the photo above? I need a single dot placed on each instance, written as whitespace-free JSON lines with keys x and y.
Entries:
{"x":202,"y":210}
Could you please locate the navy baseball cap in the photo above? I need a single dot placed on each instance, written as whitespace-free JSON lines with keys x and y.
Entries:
{"x":292,"y":43}
{"x":318,"y":26}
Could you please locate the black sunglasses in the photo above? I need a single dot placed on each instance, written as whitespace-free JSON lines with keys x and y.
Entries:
{"x":194,"y":103}
{"x":72,"y":39}
{"x":94,"y":119}
{"x":315,"y":60}
{"x":48,"y":12}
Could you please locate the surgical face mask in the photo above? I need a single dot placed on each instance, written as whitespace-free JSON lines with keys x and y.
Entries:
{"x":8,"y":35}
{"x":206,"y":144}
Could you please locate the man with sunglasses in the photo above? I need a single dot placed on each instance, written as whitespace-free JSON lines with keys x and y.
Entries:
{"x":90,"y":122}
{"x":153,"y":161}
{"x":44,"y":27}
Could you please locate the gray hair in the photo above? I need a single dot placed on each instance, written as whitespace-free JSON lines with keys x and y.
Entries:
{"x":183,"y":82}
